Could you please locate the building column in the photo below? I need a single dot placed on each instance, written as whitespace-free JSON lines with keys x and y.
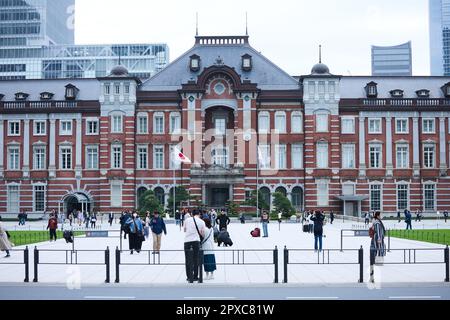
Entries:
{"x":362,"y":147}
{"x":204,"y":195}
{"x":389,"y":162}
{"x":2,"y":143}
{"x":26,"y":148}
{"x":442,"y":147}
{"x":52,"y":149}
{"x":78,"y":147}
{"x":231,"y":192}
{"x":416,"y":147}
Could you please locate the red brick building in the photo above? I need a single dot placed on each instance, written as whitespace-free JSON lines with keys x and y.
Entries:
{"x":328,"y":142}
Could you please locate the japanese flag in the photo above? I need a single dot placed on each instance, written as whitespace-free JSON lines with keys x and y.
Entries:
{"x":179,"y":156}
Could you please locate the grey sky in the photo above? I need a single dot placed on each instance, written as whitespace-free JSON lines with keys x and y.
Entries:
{"x":287,"y":32}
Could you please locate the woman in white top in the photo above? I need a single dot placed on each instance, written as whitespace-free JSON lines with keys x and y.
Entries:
{"x":209,"y":259}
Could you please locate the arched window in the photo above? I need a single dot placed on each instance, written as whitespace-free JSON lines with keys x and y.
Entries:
{"x":280,"y":121}
{"x":159,"y":194}
{"x":296,"y":122}
{"x":265,"y":193}
{"x":281,"y":190}
{"x":297,"y":198}
{"x":263,"y":122}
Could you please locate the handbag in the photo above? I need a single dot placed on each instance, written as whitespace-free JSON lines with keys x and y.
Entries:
{"x":198,"y":231}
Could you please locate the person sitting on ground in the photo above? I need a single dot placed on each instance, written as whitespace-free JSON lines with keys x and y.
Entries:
{"x":224,"y":237}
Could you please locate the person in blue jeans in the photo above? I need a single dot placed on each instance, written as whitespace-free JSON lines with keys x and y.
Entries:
{"x":265,"y":222}
{"x":318,"y":219}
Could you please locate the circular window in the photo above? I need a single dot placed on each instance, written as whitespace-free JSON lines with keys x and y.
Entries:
{"x":219,"y":88}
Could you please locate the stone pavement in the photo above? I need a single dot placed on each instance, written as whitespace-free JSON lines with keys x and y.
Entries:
{"x":286,"y":234}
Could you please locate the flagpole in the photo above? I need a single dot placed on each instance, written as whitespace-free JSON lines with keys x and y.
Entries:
{"x":257,"y":178}
{"x":174,"y":185}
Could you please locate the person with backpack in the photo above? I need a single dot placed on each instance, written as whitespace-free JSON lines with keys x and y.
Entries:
{"x":157,"y":226}
{"x":377,"y":232}
{"x":318,"y":219}
{"x":408,"y":219}
{"x":209,"y":259}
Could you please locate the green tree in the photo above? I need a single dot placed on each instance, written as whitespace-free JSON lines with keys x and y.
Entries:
{"x":149,"y":202}
{"x":262,"y":204}
{"x":181,"y":195}
{"x":282,"y":204}
{"x":233,"y":208}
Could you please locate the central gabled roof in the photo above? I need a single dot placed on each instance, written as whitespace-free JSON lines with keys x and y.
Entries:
{"x":264,"y":73}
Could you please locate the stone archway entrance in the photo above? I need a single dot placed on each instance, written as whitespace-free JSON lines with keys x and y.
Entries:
{"x":76,"y":201}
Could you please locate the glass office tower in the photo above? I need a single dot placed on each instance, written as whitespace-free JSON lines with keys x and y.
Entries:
{"x":36,"y":22}
{"x":440,"y":37}
{"x":392,"y":61}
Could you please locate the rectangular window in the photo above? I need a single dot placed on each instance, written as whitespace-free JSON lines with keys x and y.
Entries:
{"x":107,"y":89}
{"x":39,"y":198}
{"x":117,"y":124}
{"x":430,"y":199}
{"x":375,"y":197}
{"x":66,"y":158}
{"x":39,"y":128}
{"x":348,"y":125}
{"x":280,"y":123}
{"x":117,"y":157}
{"x":297,"y":123}
{"x":117,"y":89}
{"x":14,"y":128}
{"x":280,"y":156}
{"x":348,"y":189}
{"x":220,"y":126}
{"x":142,"y":157}
{"x":13,"y":205}
{"x":91,"y":157}
{"x":65,"y":128}
{"x":297,"y":156}
{"x":175,"y":124}
{"x":375,"y":156}
{"x":158,"y":157}
{"x":402,"y":197}
{"x":322,"y":155}
{"x":322,"y":123}
{"x":116,"y":195}
{"x":428,"y":126}
{"x":401,"y":126}
{"x":14,"y":158}
{"x":142,"y":125}
{"x":428,"y":156}
{"x":159,"y":124}
{"x":92,"y":127}
{"x":375,"y":126}
{"x":39,"y":158}
{"x":322,"y":194}
{"x":263,"y":123}
{"x":402,"y":153}
{"x":348,"y":156}
{"x":127,"y":89}
{"x":264,"y":156}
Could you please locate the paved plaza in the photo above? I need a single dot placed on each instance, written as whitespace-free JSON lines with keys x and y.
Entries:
{"x":286,"y":234}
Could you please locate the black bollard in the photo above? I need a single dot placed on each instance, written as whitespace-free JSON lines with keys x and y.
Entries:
{"x":275,"y":262}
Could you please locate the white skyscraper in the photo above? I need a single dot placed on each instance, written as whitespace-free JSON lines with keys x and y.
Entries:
{"x":440,"y":37}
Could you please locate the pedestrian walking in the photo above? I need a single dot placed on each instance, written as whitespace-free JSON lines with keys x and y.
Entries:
{"x":377,"y":244}
{"x":399,"y":216}
{"x":408,"y":219}
{"x":366,"y":218}
{"x":223,"y":220}
{"x":318,"y":219}
{"x":194,"y":229}
{"x":136,"y":235}
{"x":93,"y":220}
{"x":52,"y":226}
{"x":110,"y":218}
{"x":147,"y":225}
{"x":209,"y":259}
{"x":311,"y":223}
{"x":177,"y":218}
{"x":5,"y":244}
{"x":331,"y":217}
{"x":158,"y":227}
{"x":86,"y":217}
{"x":265,"y":221}
{"x":445,"y":215}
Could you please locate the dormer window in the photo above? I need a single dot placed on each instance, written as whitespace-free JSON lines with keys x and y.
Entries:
{"x":246,"y":62}
{"x":194,"y":63}
{"x":397,"y":93}
{"x":71,"y":92}
{"x":371,"y":90}
{"x":446,"y":90}
{"x":20,"y":96}
{"x":424,"y":93}
{"x":46,"y":96}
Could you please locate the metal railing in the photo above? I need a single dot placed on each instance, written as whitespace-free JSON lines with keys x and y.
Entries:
{"x":238,"y":258}
{"x":25,"y":262}
{"x":71,"y":257}
{"x":410,"y":257}
{"x":323,"y":258}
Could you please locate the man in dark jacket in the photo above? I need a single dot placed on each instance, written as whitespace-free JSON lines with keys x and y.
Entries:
{"x":445,"y":215}
{"x":408,"y":219}
{"x":223,"y":221}
{"x":110,"y":218}
{"x":158,"y":226}
{"x":318,"y":218}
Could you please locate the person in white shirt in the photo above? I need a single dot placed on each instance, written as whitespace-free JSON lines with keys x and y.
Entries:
{"x":193,"y":228}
